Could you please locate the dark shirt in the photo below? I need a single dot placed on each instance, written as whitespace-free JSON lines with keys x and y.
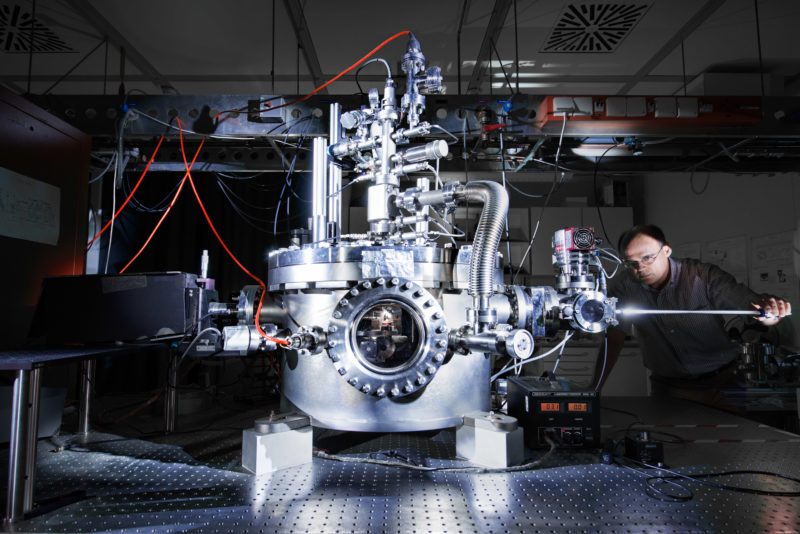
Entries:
{"x":683,"y":346}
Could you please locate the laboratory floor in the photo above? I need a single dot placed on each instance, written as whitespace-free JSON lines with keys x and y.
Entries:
{"x":192,"y":481}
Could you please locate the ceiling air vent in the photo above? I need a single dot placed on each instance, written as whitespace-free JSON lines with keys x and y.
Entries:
{"x":594,"y":27}
{"x":17,"y":26}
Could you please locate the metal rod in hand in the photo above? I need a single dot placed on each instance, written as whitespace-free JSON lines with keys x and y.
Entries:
{"x":640,"y":311}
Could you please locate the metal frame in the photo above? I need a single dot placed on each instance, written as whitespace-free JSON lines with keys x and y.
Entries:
{"x":90,"y":13}
{"x":691,"y":25}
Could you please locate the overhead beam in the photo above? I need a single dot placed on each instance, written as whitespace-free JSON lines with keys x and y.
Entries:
{"x":691,"y":25}
{"x":96,"y":19}
{"x":298,"y":21}
{"x":493,"y":29}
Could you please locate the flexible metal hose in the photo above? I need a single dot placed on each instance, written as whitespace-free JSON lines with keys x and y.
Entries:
{"x":487,"y":236}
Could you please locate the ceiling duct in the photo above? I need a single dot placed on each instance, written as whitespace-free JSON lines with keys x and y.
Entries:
{"x":594,"y":27}
{"x":18,"y":29}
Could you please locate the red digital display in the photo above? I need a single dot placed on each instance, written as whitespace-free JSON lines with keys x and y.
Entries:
{"x":550,"y":406}
{"x":577,"y":407}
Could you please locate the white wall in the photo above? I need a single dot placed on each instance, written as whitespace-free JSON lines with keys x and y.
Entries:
{"x":730,"y":206}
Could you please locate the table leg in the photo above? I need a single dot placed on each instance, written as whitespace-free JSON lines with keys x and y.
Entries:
{"x":87,"y":379}
{"x":33,"y":437}
{"x":18,"y":446}
{"x":171,"y":403}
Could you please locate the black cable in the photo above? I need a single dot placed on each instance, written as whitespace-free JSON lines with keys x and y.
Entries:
{"x":458,"y":42}
{"x":502,"y":68}
{"x":32,"y":34}
{"x":656,"y":493}
{"x":521,"y":192}
{"x":272,"y":70}
{"x":695,"y":190}
{"x":683,"y":65}
{"x":415,"y":467}
{"x":596,"y":198}
{"x":516,"y":44}
{"x":358,"y":70}
{"x":546,"y":200}
{"x":620,"y":411}
{"x":758,"y":40}
{"x":698,"y":479}
{"x":105,"y":68}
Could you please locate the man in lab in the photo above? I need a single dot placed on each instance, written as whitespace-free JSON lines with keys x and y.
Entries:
{"x":689,"y":356}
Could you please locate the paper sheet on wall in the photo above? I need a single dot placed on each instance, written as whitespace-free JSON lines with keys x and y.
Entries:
{"x":29,"y":209}
{"x":772,"y":268}
{"x":729,"y":255}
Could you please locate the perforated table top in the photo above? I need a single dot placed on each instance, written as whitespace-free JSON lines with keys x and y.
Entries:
{"x":138,"y":486}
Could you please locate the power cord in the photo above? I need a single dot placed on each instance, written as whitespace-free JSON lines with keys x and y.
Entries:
{"x":670,"y":478}
{"x":397,"y":460}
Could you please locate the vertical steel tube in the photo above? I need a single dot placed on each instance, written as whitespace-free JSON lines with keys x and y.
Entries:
{"x":421,"y":228}
{"x":87,"y":378}
{"x":17,"y":447}
{"x":33,"y":438}
{"x":319,"y":195}
{"x":334,"y":175}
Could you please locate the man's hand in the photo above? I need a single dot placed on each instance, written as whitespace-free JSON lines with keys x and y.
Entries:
{"x":774,"y":310}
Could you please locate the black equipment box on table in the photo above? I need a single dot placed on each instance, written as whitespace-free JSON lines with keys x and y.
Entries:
{"x":553,"y":408}
{"x":120,"y":307}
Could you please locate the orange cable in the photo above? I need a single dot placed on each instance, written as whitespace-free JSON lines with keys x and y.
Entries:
{"x":221,"y":242}
{"x":164,"y":215}
{"x":324,"y":85}
{"x":113,"y":217}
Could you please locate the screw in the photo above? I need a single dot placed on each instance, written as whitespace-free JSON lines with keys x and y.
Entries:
{"x":430,"y":369}
{"x":380,"y":392}
{"x":438,"y":357}
{"x":366,"y":388}
{"x":332,"y":328}
{"x":380,"y":281}
{"x":337,"y":314}
{"x":437,"y":315}
{"x":342,"y":371}
{"x":394,"y":392}
{"x":367,"y":284}
{"x":344,"y":302}
{"x":442,"y":343}
{"x":421,"y":380}
{"x":407,"y":286}
{"x":395,"y":281}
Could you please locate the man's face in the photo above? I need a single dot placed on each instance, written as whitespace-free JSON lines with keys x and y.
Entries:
{"x":648,"y":258}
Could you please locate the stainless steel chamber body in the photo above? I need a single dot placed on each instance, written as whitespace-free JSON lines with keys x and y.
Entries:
{"x":386,"y":313}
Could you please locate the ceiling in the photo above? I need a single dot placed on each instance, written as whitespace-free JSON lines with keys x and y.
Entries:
{"x":529,"y":48}
{"x":218,"y":47}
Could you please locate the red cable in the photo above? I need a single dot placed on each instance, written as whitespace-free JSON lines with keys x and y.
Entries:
{"x":221,"y":242}
{"x":164,"y":215}
{"x":113,"y":217}
{"x":324,"y":85}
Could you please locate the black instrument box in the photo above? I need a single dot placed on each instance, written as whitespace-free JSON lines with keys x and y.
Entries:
{"x":119,"y":307}
{"x":554,"y":408}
